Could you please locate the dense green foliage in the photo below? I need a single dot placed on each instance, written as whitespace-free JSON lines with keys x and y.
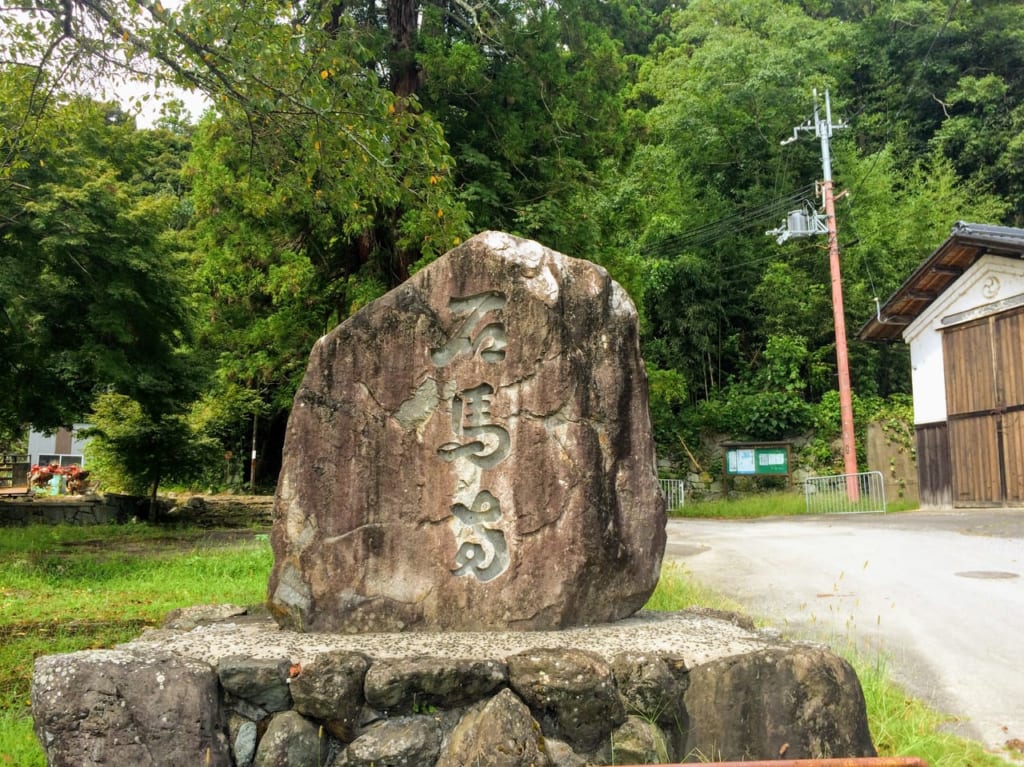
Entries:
{"x":91,"y":285}
{"x":190,"y":268}
{"x":136,"y":452}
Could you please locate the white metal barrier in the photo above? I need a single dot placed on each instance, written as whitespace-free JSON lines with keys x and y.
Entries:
{"x":675,"y":493}
{"x":845,"y":493}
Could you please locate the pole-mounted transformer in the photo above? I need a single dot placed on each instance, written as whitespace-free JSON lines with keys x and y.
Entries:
{"x":804,"y":222}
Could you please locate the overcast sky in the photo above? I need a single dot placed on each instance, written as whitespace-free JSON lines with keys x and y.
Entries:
{"x":129,"y":93}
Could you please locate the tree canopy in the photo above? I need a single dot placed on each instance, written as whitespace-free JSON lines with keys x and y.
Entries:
{"x":191,"y":267}
{"x":91,"y":284}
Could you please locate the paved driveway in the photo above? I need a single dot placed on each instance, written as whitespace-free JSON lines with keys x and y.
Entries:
{"x":940,"y":593}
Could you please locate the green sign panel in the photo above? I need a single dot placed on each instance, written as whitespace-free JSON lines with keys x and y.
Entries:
{"x":756,"y":460}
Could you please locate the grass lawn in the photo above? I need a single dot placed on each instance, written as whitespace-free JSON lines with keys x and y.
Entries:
{"x":774,"y":504}
{"x":71,"y":588}
{"x":74,"y":588}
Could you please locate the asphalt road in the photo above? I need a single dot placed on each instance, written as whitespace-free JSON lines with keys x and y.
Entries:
{"x":941,"y":594}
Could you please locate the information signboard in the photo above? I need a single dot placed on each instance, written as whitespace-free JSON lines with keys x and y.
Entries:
{"x":746,"y":460}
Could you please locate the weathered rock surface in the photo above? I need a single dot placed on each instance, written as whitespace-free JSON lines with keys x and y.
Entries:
{"x":243,"y":743}
{"x":652,"y":687}
{"x":561,"y":755}
{"x":571,"y":692}
{"x":291,"y":740}
{"x":331,"y":690}
{"x":158,"y":700}
{"x":407,"y":741}
{"x":472,"y":451}
{"x":799,"y":703}
{"x":261,"y":682}
{"x":187,"y":618}
{"x":639,"y":741}
{"x":498,"y":733}
{"x":114,"y":707}
{"x":403,"y":685}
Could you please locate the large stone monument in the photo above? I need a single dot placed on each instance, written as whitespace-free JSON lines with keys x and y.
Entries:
{"x":472,"y":451}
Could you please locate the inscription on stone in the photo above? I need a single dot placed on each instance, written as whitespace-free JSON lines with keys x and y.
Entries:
{"x":478,"y":439}
{"x":483,"y":548}
{"x":490,"y":340}
{"x":483,"y":551}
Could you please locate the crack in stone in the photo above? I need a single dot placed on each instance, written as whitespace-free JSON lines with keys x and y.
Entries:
{"x":366,"y":390}
{"x":338,"y":538}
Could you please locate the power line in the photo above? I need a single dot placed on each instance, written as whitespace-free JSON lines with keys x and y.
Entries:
{"x":751,"y":218}
{"x":738,"y":221}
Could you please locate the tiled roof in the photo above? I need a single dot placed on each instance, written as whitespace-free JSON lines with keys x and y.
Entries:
{"x":965,"y":245}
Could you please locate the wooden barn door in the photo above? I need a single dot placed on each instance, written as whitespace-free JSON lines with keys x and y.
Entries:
{"x":1009,"y":330}
{"x":984,"y":363}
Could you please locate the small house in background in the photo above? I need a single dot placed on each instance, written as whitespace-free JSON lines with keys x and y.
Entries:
{"x":64,"y":447}
{"x":962,"y":314}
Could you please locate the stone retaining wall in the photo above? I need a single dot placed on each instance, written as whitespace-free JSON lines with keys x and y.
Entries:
{"x":115,"y":508}
{"x":655,"y":688}
{"x":83,"y":511}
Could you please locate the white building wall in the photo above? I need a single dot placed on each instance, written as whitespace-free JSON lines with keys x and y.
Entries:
{"x":991,"y":285}
{"x":78,"y":443}
{"x":40,"y":444}
{"x":928,"y":379}
{"x":46,"y":444}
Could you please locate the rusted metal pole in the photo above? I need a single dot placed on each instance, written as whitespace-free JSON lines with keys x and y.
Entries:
{"x":824,"y":131}
{"x":842,"y":359}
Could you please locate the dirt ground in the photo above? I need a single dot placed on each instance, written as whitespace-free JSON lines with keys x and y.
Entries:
{"x":220,"y":511}
{"x":171,"y":541}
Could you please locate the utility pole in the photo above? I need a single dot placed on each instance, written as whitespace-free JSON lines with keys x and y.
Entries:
{"x":823,"y":129}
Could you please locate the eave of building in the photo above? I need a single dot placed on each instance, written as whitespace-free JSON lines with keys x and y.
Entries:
{"x":964,"y":246}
